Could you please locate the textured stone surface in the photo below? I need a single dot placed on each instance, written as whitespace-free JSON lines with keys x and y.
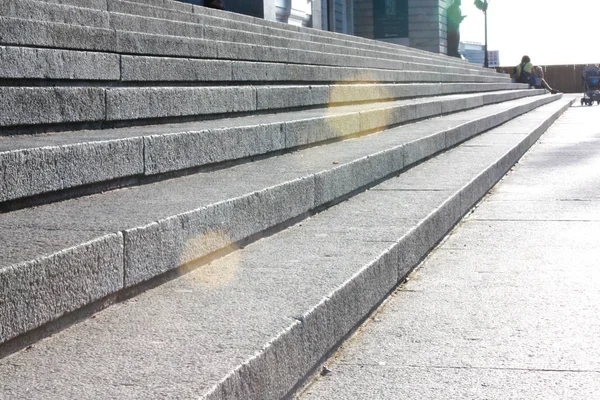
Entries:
{"x":173,"y":4}
{"x":233,"y":35}
{"x":202,"y":213}
{"x":273,"y":97}
{"x":167,"y":14}
{"x":312,"y":130}
{"x":239,"y":45}
{"x":24,"y":63}
{"x":337,"y":182}
{"x":293,"y":295}
{"x":159,"y":45}
{"x":178,"y":151}
{"x":243,"y":51}
{"x":68,"y":160}
{"x":294,"y":96}
{"x":147,"y":9}
{"x":169,"y":152}
{"x":41,"y":170}
{"x":501,"y":324}
{"x":246,"y":71}
{"x":167,"y":244}
{"x":384,"y":117}
{"x":15,"y":31}
{"x":136,"y":103}
{"x":42,"y":105}
{"x":126,"y":22}
{"x":174,"y":69}
{"x":389,"y":381}
{"x":41,"y":290}
{"x":423,"y":147}
{"x":96,"y":4}
{"x":235,"y":31}
{"x":319,"y":36}
{"x":35,"y":10}
{"x":417,"y":243}
{"x":158,"y":3}
{"x":461,"y":104}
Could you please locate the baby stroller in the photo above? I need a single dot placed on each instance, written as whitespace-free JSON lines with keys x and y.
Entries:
{"x":591,"y":85}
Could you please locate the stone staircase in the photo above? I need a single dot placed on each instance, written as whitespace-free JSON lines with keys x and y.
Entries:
{"x":197,"y":203}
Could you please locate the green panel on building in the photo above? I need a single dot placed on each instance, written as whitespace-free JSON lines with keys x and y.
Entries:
{"x":390,"y":19}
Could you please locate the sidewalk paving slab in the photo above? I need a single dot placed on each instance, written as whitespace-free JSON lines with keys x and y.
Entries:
{"x":507,"y":306}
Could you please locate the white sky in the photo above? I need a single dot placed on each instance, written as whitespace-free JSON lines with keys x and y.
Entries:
{"x":548,"y":31}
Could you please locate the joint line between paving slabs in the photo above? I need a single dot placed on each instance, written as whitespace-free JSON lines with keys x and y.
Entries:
{"x":453,"y":367}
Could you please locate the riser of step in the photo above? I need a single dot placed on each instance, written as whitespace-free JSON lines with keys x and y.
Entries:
{"x":41,"y":11}
{"x":35,"y":165}
{"x":298,"y":348}
{"x":158,"y":8}
{"x":93,"y":4}
{"x":14,"y":31}
{"x":246,"y":23}
{"x":127,"y":22}
{"x":150,"y":68}
{"x":176,"y":14}
{"x":253,"y":324}
{"x":28,"y":106}
{"x":55,"y":64}
{"x":91,"y":247}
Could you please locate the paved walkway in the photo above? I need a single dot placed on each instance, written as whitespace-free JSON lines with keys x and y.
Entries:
{"x":508,"y":307}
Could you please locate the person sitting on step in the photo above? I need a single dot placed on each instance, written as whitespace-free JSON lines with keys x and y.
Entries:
{"x":524,"y":73}
{"x":539,"y":81}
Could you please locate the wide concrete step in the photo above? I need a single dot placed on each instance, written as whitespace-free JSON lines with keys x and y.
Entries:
{"x":74,"y":65}
{"x":25,"y":32}
{"x":257,"y":25}
{"x":172,"y":17}
{"x":142,"y":68}
{"x":253,"y":324}
{"x":42,"y":105}
{"x":38,"y":164}
{"x":159,"y":7}
{"x":62,"y":256}
{"x":155,"y":26}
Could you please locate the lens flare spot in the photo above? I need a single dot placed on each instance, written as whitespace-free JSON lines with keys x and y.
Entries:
{"x":215,"y":273}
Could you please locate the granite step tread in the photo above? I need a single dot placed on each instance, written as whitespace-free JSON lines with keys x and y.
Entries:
{"x":93,"y":246}
{"x":36,"y":164}
{"x":30,"y":10}
{"x":24,"y":32}
{"x":215,"y":18}
{"x":44,"y":11}
{"x":127,"y":22}
{"x":403,"y":94}
{"x":33,"y":63}
{"x":253,"y":324}
{"x":156,"y":8}
{"x":286,"y":30}
{"x":37,"y":106}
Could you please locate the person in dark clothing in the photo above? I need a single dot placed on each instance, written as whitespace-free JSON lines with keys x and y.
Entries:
{"x":218,"y":4}
{"x":523,"y":73}
{"x":526,"y":72}
{"x":454,"y":18}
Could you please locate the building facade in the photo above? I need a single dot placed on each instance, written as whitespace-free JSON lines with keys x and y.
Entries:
{"x":474,"y":53}
{"x":416,"y":23}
